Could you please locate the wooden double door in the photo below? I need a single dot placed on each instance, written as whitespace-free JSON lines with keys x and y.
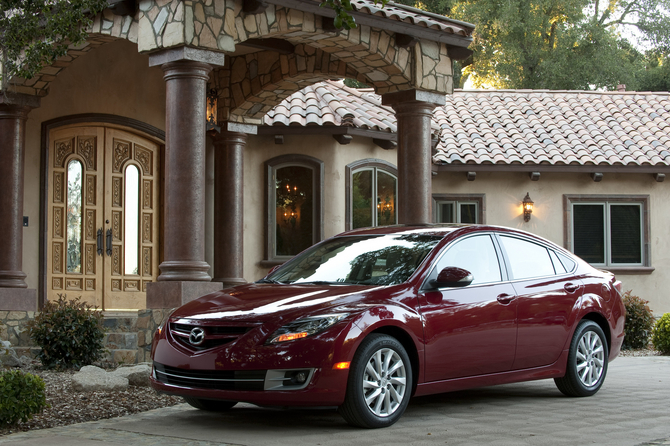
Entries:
{"x":103,"y":216}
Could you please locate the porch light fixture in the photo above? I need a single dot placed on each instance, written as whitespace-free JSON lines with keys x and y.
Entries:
{"x":527,"y":207}
{"x":212,"y":110}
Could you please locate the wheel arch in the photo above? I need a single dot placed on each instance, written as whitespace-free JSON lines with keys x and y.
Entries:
{"x":408,"y":343}
{"x":604,"y":325}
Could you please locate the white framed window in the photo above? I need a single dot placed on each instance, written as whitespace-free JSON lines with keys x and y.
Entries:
{"x":458,"y":208}
{"x":609,"y":231}
{"x":372,"y":194}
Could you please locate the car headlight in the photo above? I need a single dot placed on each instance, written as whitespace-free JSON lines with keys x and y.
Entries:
{"x":166,"y":317}
{"x":304,"y":327}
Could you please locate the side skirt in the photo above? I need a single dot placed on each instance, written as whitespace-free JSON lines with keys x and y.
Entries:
{"x":555,"y":370}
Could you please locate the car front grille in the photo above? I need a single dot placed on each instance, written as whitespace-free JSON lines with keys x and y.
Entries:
{"x":214,"y":335}
{"x":210,"y":379}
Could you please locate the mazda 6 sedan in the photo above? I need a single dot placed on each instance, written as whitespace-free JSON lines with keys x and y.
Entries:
{"x":365,"y":320}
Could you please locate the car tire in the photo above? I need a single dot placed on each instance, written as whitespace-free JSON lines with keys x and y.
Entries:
{"x":379,"y":385}
{"x":587,"y":361}
{"x":210,"y":405}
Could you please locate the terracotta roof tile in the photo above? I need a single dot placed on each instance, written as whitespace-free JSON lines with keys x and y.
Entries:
{"x":506,"y":127}
{"x":407,"y":14}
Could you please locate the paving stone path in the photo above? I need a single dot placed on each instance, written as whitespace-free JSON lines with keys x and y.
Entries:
{"x":631,"y":409}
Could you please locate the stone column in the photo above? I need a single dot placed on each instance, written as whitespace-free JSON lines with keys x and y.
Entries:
{"x":14,"y":111}
{"x":229,"y":203}
{"x":414,"y":110}
{"x":184,"y":267}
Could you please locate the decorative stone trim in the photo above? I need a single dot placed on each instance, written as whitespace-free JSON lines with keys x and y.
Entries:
{"x":367,"y":54}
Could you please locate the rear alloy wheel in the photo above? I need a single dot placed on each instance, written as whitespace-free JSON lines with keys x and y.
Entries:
{"x":210,"y":405}
{"x":587,"y":361}
{"x":380,"y":383}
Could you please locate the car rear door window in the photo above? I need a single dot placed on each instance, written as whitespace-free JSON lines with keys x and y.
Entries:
{"x":527,"y":259}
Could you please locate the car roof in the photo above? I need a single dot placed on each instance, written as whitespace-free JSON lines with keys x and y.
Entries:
{"x":438,"y":229}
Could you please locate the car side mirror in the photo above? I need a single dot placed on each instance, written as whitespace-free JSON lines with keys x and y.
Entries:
{"x":453,"y":277}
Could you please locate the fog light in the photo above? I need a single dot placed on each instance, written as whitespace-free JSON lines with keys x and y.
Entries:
{"x":299,"y":378}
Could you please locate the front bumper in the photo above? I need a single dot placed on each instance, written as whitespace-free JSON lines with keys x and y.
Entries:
{"x":262,"y":387}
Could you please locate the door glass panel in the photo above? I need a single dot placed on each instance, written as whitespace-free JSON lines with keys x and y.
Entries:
{"x":132,"y":220}
{"x":474,"y":254}
{"x":386,"y":198}
{"x":294,"y":210}
{"x":74,"y":216}
{"x":362,"y":196}
{"x":527,"y":259}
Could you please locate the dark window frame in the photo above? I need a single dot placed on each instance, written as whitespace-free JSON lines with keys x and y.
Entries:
{"x":642,"y":200}
{"x":480,"y":199}
{"x":271,"y":166}
{"x":352,"y":168}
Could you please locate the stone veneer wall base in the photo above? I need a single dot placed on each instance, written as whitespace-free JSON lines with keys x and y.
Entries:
{"x":128,"y":335}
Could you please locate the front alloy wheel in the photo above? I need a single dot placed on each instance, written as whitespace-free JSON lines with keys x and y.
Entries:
{"x":587,"y":361}
{"x":379,"y":384}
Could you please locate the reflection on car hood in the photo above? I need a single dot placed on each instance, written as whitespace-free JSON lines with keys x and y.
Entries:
{"x":260,"y":302}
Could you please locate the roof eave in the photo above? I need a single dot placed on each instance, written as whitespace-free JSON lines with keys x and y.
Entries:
{"x":380,"y":23}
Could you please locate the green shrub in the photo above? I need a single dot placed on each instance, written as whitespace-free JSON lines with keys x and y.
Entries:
{"x":70,"y":333}
{"x":661,"y":337}
{"x":639,"y":322}
{"x":21,"y":396}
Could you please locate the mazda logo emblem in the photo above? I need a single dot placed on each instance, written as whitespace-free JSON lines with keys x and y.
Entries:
{"x":197,"y":336}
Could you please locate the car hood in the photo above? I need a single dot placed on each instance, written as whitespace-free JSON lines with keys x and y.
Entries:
{"x":262,"y":302}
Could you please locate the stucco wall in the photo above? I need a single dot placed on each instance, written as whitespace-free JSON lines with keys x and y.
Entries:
{"x":112,"y":79}
{"x":505,"y":191}
{"x":335,"y":157}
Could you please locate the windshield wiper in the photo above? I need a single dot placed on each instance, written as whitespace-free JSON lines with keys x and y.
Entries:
{"x":319,"y":282}
{"x":268,"y":281}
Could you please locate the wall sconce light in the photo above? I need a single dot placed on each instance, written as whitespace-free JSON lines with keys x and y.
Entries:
{"x":213,"y":110}
{"x":527,"y":207}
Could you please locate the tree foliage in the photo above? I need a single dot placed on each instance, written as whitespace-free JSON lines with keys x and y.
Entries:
{"x":34,"y":33}
{"x":562,"y":44}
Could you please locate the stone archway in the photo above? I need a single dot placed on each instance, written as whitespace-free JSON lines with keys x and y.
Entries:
{"x":262,"y":51}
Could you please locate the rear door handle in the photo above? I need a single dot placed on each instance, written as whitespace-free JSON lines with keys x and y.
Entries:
{"x":505,"y":298}
{"x":571,"y":287}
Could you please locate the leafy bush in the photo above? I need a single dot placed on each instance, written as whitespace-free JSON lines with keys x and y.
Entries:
{"x":639,"y":322}
{"x":21,"y":396}
{"x":661,"y":338}
{"x":70,"y":333}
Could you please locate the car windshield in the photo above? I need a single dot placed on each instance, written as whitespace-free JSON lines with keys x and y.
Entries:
{"x":366,"y":260}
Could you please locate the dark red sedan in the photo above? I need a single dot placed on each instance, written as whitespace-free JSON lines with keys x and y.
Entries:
{"x":369,"y":318}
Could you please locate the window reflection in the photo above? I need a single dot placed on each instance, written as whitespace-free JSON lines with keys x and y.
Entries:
{"x":362,"y":199}
{"x":386,"y":187}
{"x":132,"y":220}
{"x":368,"y":185}
{"x":294,"y":211}
{"x":74,"y":216}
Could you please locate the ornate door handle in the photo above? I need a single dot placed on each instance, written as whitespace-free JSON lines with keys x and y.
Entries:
{"x":99,"y":241}
{"x":109,"y":242}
